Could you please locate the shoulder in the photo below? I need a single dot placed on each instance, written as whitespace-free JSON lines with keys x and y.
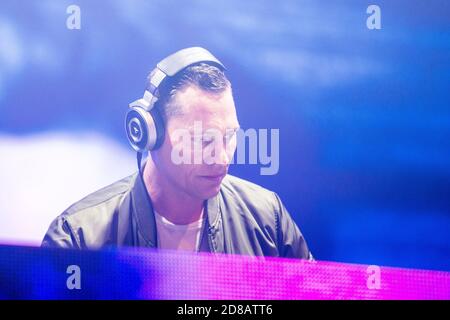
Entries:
{"x":249,"y":194}
{"x":101,"y":202}
{"x":234,"y":184}
{"x":88,"y":223}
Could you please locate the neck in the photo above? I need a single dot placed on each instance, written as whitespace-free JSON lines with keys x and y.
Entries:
{"x":169,"y":201}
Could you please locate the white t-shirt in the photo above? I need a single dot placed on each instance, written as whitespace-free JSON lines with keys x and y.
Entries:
{"x":178,"y":236}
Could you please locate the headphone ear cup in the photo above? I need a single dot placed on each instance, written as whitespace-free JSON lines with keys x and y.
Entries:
{"x":137,"y":128}
{"x":145,"y":130}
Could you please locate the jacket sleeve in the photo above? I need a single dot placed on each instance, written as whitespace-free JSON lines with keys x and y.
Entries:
{"x":291,"y":243}
{"x":59,"y":235}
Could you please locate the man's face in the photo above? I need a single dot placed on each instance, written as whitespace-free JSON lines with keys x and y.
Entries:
{"x":199,"y":143}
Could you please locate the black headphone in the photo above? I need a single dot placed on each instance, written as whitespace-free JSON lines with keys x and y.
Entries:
{"x":143,"y":123}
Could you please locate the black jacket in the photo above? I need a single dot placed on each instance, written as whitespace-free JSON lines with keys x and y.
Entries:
{"x":243,"y":218}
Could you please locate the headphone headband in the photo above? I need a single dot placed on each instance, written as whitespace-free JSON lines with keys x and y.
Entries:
{"x":176,"y":62}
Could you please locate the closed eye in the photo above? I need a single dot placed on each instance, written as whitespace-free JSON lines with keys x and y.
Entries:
{"x":207,"y":140}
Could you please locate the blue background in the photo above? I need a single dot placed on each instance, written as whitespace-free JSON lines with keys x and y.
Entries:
{"x":363,"y":114}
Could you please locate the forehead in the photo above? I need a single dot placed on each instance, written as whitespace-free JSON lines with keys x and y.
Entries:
{"x":213,"y":109}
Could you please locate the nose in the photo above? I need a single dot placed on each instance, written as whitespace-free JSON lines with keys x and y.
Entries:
{"x":224,"y":158}
{"x":220,"y":155}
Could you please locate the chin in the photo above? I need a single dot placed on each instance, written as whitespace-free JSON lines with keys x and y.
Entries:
{"x":210,"y":192}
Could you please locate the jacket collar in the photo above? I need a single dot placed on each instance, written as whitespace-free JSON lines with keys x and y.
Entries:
{"x":215,"y":225}
{"x":146,"y":224}
{"x":142,"y":211}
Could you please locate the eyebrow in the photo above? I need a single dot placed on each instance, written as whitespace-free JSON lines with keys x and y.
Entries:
{"x":234,"y":129}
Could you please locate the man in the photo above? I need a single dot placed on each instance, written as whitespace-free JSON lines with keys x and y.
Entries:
{"x":185,"y":205}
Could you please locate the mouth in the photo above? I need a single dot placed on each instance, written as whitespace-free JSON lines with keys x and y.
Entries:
{"x":214,"y":178}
